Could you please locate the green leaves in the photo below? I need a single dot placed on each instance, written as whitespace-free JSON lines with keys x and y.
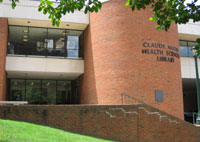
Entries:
{"x":138,"y":4}
{"x":167,"y":11}
{"x":13,"y":3}
{"x":152,"y":18}
{"x":127,"y":2}
{"x":57,"y":10}
{"x":197,"y":47}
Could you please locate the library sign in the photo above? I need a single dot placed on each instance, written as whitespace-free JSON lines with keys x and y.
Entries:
{"x":163,"y":52}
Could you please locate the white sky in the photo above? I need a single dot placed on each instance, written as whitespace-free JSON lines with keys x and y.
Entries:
{"x":198,"y":2}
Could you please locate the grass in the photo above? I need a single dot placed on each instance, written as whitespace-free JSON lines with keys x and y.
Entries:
{"x":13,"y":131}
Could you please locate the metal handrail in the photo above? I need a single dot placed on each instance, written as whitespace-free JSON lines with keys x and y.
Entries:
{"x":130,"y":99}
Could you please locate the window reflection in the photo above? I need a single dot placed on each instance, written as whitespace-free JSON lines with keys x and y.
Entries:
{"x":186,"y":48}
{"x":183,"y":49}
{"x":56,"y":42}
{"x":17,"y":40}
{"x":191,"y":45}
{"x":17,"y":90}
{"x":49,"y":91}
{"x":33,"y":91}
{"x":72,"y":46}
{"x":33,"y":41}
{"x":37,"y":41}
{"x":63,"y":94}
{"x":42,"y":91}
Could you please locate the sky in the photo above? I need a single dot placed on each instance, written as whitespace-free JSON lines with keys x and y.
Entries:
{"x":198,"y":2}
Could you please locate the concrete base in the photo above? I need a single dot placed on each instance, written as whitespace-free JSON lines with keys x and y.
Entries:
{"x":197,"y":125}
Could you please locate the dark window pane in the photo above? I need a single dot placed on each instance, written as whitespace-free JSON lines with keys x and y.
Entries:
{"x":56,"y":42}
{"x":191,"y":44}
{"x":43,"y":91}
{"x":17,"y":90}
{"x":17,"y":40}
{"x":37,"y":43}
{"x":183,"y":43}
{"x":49,"y":92}
{"x":74,"y":87}
{"x":81,"y":46}
{"x":33,"y":91}
{"x":63,"y":94}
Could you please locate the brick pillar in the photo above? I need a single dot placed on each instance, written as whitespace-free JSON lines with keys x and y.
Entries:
{"x":3,"y":51}
{"x":124,"y":53}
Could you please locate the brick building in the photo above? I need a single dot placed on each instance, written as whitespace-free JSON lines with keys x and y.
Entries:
{"x":95,"y":58}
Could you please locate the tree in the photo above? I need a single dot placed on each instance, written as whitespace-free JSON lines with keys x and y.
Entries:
{"x":165,"y":11}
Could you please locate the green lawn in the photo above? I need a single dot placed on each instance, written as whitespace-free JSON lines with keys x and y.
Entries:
{"x":13,"y":131}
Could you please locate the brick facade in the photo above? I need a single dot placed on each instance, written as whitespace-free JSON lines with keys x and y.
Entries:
{"x":3,"y":51}
{"x":116,"y":61}
{"x":125,"y":123}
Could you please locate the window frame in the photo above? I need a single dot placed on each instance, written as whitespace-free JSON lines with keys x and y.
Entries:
{"x":80,"y":49}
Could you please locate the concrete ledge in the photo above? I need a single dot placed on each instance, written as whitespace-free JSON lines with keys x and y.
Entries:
{"x":44,"y":68}
{"x":197,"y":125}
{"x":13,"y":102}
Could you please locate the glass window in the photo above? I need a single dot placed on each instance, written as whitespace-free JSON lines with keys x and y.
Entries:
{"x":17,"y":90}
{"x":72,"y":53}
{"x":34,"y":41}
{"x":74,"y":41}
{"x":17,"y":40}
{"x":191,"y":45}
{"x":37,"y":43}
{"x":33,"y":91}
{"x":184,"y":49}
{"x":75,"y":98}
{"x":63,"y":94}
{"x":190,"y":52}
{"x":43,"y":91}
{"x":49,"y":92}
{"x":56,"y":42}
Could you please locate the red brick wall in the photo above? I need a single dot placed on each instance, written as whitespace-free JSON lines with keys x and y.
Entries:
{"x":115,"y":64}
{"x":3,"y":51}
{"x":125,"y":123}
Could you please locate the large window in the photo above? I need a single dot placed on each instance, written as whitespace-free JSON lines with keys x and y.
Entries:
{"x":43,"y":91}
{"x":33,"y":41}
{"x":17,"y":89}
{"x":186,"y":48}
